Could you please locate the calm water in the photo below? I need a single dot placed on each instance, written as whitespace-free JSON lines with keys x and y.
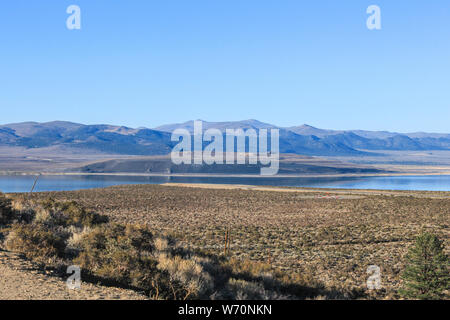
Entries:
{"x":59,"y":183}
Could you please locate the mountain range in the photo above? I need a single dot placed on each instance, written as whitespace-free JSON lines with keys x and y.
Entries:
{"x":304,"y":139}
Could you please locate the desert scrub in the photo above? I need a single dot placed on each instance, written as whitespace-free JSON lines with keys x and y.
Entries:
{"x":67,"y":213}
{"x":6,"y":211}
{"x":76,"y":235}
{"x":41,"y":230}
{"x":124,"y":255}
{"x":251,"y":290}
{"x":35,"y":242}
{"x":131,"y":256}
{"x":257,"y":280}
{"x":313,"y":247}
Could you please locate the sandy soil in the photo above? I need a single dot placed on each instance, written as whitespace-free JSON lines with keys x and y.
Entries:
{"x":323,"y":193}
{"x":19,"y":280}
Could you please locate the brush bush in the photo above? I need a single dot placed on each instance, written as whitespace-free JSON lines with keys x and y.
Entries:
{"x":68,"y":213}
{"x":35,"y":242}
{"x":6,"y":211}
{"x":133,"y":256}
{"x":127,"y":255}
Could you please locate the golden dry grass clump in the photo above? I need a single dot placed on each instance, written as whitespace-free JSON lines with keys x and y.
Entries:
{"x":35,"y":242}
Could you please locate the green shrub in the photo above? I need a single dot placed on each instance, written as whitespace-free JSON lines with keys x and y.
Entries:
{"x":427,"y":272}
{"x":35,"y":242}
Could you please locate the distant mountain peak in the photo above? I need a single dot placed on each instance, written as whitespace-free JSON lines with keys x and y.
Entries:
{"x":304,"y":139}
{"x":253,"y":121}
{"x":305,"y":125}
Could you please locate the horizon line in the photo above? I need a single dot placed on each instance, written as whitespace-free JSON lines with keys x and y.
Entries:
{"x":223,"y":121}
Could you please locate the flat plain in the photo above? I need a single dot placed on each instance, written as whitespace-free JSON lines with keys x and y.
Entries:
{"x":326,"y":238}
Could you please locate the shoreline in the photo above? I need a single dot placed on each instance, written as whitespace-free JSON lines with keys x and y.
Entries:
{"x":188,"y":175}
{"x":328,"y":191}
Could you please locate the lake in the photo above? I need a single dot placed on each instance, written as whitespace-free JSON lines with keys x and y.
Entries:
{"x":67,"y":183}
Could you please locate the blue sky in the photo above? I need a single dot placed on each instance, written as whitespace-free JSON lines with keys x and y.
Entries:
{"x":147,"y":63}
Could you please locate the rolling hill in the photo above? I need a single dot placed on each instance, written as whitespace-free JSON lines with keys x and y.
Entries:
{"x":120,"y":140}
{"x":90,"y":138}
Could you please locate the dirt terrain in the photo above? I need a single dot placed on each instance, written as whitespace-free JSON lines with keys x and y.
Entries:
{"x":326,"y":237}
{"x":20,"y":280}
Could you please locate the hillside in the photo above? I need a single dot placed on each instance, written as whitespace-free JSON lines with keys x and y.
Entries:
{"x":79,"y":139}
{"x":289,"y":164}
{"x":306,"y":139}
{"x":90,"y":138}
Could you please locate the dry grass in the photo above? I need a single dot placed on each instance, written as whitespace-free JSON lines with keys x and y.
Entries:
{"x":61,"y":233}
{"x":311,"y":240}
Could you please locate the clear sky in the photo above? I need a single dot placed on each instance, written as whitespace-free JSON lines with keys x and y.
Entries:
{"x":287,"y":62}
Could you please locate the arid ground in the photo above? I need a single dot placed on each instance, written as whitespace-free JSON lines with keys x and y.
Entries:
{"x":20,"y":280}
{"x":327,"y":238}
